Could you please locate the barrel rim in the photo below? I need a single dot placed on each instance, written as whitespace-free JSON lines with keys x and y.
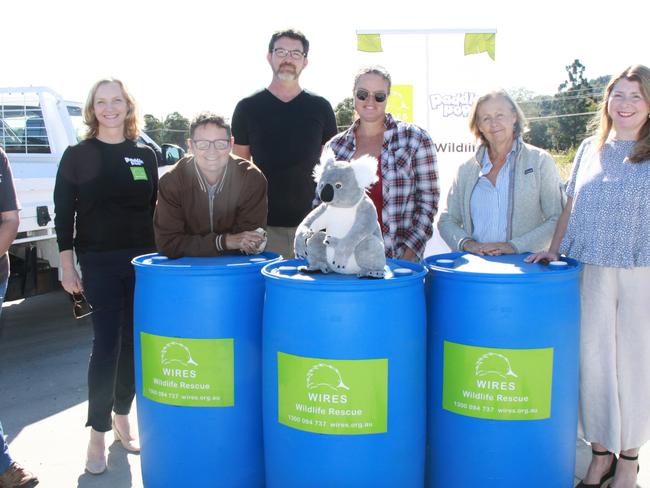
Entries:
{"x":419,"y":273}
{"x":138,"y":263}
{"x":550,"y":273}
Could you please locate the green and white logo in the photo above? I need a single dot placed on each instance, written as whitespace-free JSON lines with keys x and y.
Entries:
{"x":175,"y":352}
{"x":497,"y":384}
{"x":493,"y":363}
{"x":323,"y":374}
{"x":188,"y":372}
{"x":333,"y":396}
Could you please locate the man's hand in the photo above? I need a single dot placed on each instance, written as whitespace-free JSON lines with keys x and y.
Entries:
{"x":248,"y":242}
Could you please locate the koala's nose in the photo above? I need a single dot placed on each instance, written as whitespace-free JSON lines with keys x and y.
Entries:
{"x":327,"y":193}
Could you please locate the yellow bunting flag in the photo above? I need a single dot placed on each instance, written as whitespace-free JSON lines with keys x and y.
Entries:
{"x":370,"y":43}
{"x":480,"y":43}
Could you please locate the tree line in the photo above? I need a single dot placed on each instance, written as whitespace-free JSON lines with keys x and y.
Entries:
{"x":173,"y":130}
{"x":557,"y":123}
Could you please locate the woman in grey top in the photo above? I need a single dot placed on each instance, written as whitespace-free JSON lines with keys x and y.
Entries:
{"x":606,"y":225}
{"x":507,"y":198}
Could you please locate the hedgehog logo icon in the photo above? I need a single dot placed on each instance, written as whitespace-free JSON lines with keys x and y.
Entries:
{"x":494,"y":363}
{"x":176,"y":353}
{"x":322,"y":374}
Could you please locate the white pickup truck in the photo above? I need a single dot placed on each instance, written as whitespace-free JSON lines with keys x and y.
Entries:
{"x":36,"y":126}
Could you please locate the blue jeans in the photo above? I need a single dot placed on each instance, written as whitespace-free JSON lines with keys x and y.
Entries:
{"x":5,"y":458}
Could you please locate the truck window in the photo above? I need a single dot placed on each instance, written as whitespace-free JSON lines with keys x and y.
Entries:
{"x":23,"y":130}
{"x":7,"y":135}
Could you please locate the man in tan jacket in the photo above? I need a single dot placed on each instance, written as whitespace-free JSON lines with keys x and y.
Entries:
{"x":211,"y":201}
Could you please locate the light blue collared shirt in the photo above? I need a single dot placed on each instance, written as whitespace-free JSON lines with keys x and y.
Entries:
{"x":489,"y":203}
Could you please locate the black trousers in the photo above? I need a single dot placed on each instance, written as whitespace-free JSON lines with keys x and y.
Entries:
{"x":109,"y":283}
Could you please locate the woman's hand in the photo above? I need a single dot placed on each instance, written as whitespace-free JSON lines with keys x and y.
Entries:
{"x":497,"y":248}
{"x":247,"y":242}
{"x":553,"y":253}
{"x":542,"y":256}
{"x":409,"y":255}
{"x":473,"y":247}
{"x":71,"y":281}
{"x":488,"y":248}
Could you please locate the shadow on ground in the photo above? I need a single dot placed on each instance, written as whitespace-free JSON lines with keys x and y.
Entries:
{"x":118,"y":474}
{"x":43,"y":359}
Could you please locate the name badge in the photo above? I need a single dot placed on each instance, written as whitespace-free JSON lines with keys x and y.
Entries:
{"x":528,"y":171}
{"x":139,"y":174}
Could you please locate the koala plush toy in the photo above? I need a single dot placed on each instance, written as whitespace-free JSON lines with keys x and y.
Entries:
{"x":342,"y":234}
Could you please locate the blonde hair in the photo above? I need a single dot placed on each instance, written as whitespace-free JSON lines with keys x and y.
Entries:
{"x":520,"y":125}
{"x":602,"y":122}
{"x":373,"y":70}
{"x":131,"y":123}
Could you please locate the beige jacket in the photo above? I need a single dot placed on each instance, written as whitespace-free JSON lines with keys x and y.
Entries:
{"x":536,"y":201}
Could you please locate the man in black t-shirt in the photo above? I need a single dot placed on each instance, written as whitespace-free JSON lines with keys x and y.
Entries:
{"x":12,"y":474}
{"x":282,"y":129}
{"x":8,"y":219}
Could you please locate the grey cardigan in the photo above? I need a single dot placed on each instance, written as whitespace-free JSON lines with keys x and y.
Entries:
{"x":536,"y":201}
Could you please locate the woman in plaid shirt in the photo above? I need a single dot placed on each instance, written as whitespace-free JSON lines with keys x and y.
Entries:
{"x":406,"y":195}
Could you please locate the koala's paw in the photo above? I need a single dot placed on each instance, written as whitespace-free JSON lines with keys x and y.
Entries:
{"x":371,"y":273}
{"x":340,"y":259}
{"x":331,"y":241}
{"x":300,"y":246}
{"x":322,"y":267}
{"x":309,"y":270}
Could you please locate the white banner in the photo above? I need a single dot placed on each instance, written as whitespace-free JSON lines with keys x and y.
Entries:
{"x":436,"y":76}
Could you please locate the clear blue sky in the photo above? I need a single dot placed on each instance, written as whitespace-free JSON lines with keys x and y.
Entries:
{"x":192,"y":55}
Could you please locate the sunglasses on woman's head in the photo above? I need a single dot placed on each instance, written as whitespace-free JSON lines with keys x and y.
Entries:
{"x":362,"y":94}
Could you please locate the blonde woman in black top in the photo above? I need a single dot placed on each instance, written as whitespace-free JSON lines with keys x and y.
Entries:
{"x":104,"y":199}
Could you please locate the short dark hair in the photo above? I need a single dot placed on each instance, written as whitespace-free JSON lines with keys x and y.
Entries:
{"x":291,"y":34}
{"x":205,"y":118}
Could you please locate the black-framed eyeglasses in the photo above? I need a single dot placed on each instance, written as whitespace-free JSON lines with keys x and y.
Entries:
{"x":281,"y":52}
{"x":80,"y":306}
{"x":362,"y":94}
{"x":204,"y":145}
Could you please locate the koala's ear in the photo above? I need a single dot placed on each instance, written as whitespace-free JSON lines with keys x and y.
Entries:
{"x":365,"y":170}
{"x":326,"y":159}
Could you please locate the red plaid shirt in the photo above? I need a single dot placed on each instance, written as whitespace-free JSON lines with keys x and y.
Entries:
{"x":409,"y":173}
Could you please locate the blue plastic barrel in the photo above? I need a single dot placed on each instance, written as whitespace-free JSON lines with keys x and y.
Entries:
{"x":503,"y":377}
{"x":198,"y":370}
{"x":344,"y":367}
